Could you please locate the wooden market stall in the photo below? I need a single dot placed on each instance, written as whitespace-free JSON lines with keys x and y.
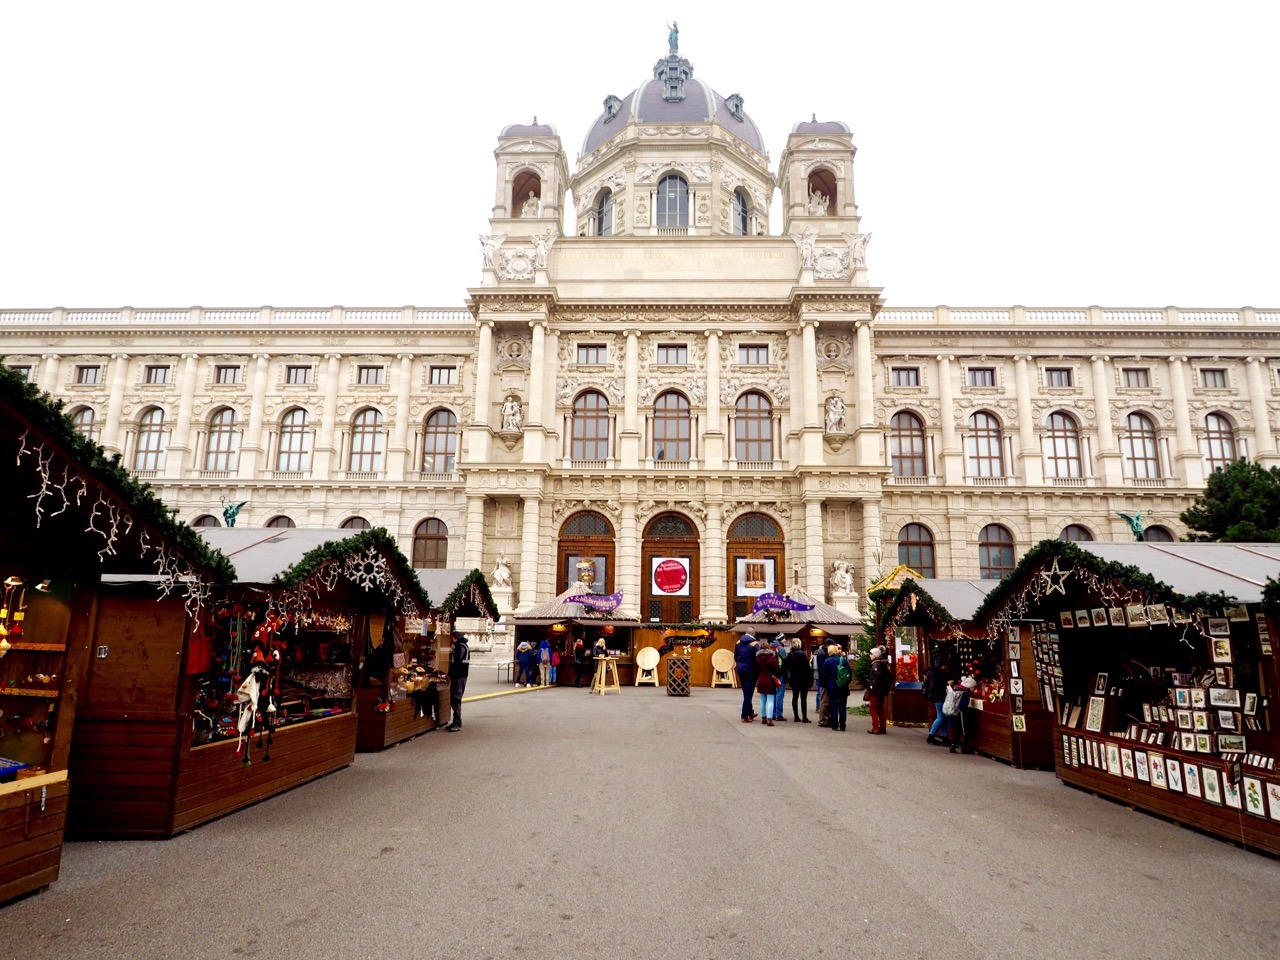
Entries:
{"x":821,"y":624}
{"x":71,"y":515}
{"x":186,"y":718}
{"x":561,"y":623}
{"x":1158,"y":663}
{"x":931,"y":621}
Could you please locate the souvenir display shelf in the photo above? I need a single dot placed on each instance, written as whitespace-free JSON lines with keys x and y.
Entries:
{"x":400,"y":691}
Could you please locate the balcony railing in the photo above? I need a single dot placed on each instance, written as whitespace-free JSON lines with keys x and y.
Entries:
{"x":987,"y":481}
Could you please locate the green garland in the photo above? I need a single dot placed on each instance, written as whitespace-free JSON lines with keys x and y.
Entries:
{"x":45,"y":414}
{"x":899,"y":600}
{"x":473,"y":580}
{"x":1044,"y":552}
{"x":336,"y":551}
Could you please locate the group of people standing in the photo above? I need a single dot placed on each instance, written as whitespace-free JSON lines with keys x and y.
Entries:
{"x":544,"y":658}
{"x":950,"y":697}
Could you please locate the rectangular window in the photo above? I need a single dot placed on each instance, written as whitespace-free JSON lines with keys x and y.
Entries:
{"x":753,"y":354}
{"x":226,"y":373}
{"x":982,"y":376}
{"x":369,"y":376}
{"x":593,"y":354}
{"x":673,"y":354}
{"x":444,"y":375}
{"x":23,"y":371}
{"x":1058,"y":377}
{"x":88,"y":374}
{"x":1214,"y":379}
{"x":905,"y":376}
{"x":1139,"y":377}
{"x":157,"y":374}
{"x":295,"y":375}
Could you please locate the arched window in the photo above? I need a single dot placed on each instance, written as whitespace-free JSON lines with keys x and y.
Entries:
{"x":585,"y":553}
{"x":915,"y":549}
{"x":986,"y":456}
{"x":439,"y":442}
{"x":150,"y":453}
{"x":995,"y":552}
{"x":604,"y":214}
{"x":1219,"y":441}
{"x":1074,"y":533}
{"x":430,"y":545}
{"x":205,"y":520}
{"x":741,"y":212}
{"x":756,"y":561}
{"x":1140,"y":447}
{"x":281,"y":523}
{"x":85,"y":423}
{"x":220,"y":454}
{"x":753,"y":428}
{"x":366,"y":442}
{"x":590,"y":427}
{"x":355,"y":523}
{"x":821,"y":198}
{"x":673,"y":201}
{"x":670,"y":562}
{"x":1158,"y":535}
{"x":1062,"y":446}
{"x":526,"y":194}
{"x":906,"y":446}
{"x":294,"y":452}
{"x":671,"y":434}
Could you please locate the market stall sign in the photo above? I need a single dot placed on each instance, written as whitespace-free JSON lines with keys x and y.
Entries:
{"x":610,"y":601}
{"x":778,"y":601}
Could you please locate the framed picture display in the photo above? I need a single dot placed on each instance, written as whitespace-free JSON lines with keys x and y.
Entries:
{"x":1184,"y":719}
{"x":1158,"y":778}
{"x":1113,"y":759}
{"x":1173,"y":770}
{"x":1187,"y":742}
{"x":1191,"y":779}
{"x":1264,"y":648}
{"x":1067,"y":619}
{"x":1236,"y":613}
{"x":1014,"y":669}
{"x":1220,"y":649}
{"x":1200,"y":719}
{"x":1212,"y":785}
{"x":1075,"y":752}
{"x":1231,"y":794}
{"x":1220,"y":697}
{"x":1219,"y":627}
{"x":1166,"y":715}
{"x":1250,"y":704}
{"x":1115,"y":616}
{"x":1254,"y":798}
{"x":1158,"y":613}
{"x":1096,"y":757}
{"x":1082,"y":618}
{"x":1264,"y":628}
{"x":1182,"y":697}
{"x":1016,"y":704}
{"x":1140,"y":766}
{"x":1126,"y":763}
{"x":1136,"y":615}
{"x":1015,"y":651}
{"x":1146,"y":713}
{"x":1224,"y":676}
{"x":1019,"y":723}
{"x":1231,"y":743}
{"x":1100,"y":684}
{"x":1098,"y":616}
{"x":1199,"y":698}
{"x":1094,"y":717}
{"x":1273,"y":800}
{"x":1227,"y":721}
{"x":1066,"y":749}
{"x":1015,"y":686}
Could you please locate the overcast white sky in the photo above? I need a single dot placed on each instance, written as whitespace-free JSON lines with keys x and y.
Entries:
{"x":316,"y":153}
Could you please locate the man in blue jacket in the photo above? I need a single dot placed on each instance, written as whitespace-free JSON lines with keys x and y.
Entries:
{"x":744,"y":661}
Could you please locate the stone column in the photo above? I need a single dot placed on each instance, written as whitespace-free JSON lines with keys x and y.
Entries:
{"x":473,"y":552}
{"x":530,"y":553}
{"x":868,"y":440}
{"x":1109,"y":468}
{"x":951,"y":456}
{"x":534,"y":426}
{"x":1031,"y":465}
{"x":630,"y":439}
{"x":715,"y":591}
{"x":713,"y":438}
{"x":326,"y":451}
{"x":112,"y":431}
{"x":1263,"y":438}
{"x":628,"y":575}
{"x":178,"y":459}
{"x":479,"y":431}
{"x":398,"y":455}
{"x":815,"y":564}
{"x":1188,"y":464}
{"x":871,"y":537}
{"x":811,"y":417}
{"x":48,"y":381}
{"x":251,"y":447}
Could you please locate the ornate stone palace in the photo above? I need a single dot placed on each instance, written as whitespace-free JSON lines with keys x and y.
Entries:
{"x":674,"y":376}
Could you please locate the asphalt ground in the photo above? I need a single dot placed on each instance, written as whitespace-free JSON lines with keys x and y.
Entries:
{"x":637,"y":825}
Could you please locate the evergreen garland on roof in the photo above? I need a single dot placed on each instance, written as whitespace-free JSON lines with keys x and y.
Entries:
{"x":45,"y":415}
{"x":336,"y":552}
{"x":473,"y":587}
{"x":899,"y":605}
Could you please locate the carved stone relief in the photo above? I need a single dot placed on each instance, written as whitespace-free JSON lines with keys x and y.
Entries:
{"x":515,"y":351}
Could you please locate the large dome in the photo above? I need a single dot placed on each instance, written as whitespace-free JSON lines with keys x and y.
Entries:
{"x":652,"y":102}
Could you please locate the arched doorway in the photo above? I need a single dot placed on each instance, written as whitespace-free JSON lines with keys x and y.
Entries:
{"x":586,"y":552}
{"x":669,"y":570}
{"x":756,"y":561}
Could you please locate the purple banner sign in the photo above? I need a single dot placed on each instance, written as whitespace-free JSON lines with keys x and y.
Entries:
{"x":778,"y":601}
{"x":607,"y":602}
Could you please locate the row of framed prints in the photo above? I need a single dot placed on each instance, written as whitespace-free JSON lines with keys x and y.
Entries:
{"x":1229,"y":787}
{"x":1159,"y":615}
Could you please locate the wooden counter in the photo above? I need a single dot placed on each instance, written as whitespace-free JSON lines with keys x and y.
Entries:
{"x":33,"y":817}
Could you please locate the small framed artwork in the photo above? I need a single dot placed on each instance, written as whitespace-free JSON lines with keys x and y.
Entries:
{"x":1146,"y":713}
{"x":1014,"y":669}
{"x":1136,"y":615}
{"x":1015,"y":651}
{"x":1166,"y":714}
{"x":1184,"y":719}
{"x":1220,"y":697}
{"x":1219,"y":627}
{"x":1131,"y":732}
{"x":1236,"y":613}
{"x":1075,"y":752}
{"x":1158,"y":778}
{"x":1082,"y":618}
{"x":1099,"y":616}
{"x":1046,"y":695}
{"x":1231,"y":743}
{"x":1115,"y":616}
{"x":1212,"y":785}
{"x":1264,"y":648}
{"x":1204,"y":743}
{"x":1182,"y":697}
{"x":1199,"y":698}
{"x":1066,"y":749}
{"x":1231,"y":794}
{"x":1100,"y":684}
{"x":1126,"y":763}
{"x":1180,"y":679}
{"x":1140,"y":766}
{"x":1191,"y":779}
{"x":1158,"y":613}
{"x":1094,"y":718}
{"x":1223,"y":676}
{"x":1273,"y":800}
{"x":1095,"y":755}
{"x":1250,"y":704}
{"x":1220,"y":649}
{"x":1254,"y":798}
{"x":1173,"y":768}
{"x":1187,"y":742}
{"x":1199,"y":719}
{"x":1227,"y":721}
{"x":1016,"y":704}
{"x":1113,"y":759}
{"x":1067,"y":619}
{"x":1015,"y":686}
{"x":1019,"y":723}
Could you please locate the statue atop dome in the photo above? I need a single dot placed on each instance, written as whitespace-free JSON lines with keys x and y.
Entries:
{"x":673,"y":38}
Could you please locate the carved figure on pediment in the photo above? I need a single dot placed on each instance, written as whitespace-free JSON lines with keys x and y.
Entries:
{"x":615,"y":390}
{"x":489,"y":246}
{"x":780,"y":390}
{"x":648,"y":388}
{"x":817,"y":205}
{"x":645,"y":172}
{"x":617,"y":179}
{"x":729,"y":390}
{"x":565,"y":390}
{"x":698,"y":392}
{"x":699,"y":172}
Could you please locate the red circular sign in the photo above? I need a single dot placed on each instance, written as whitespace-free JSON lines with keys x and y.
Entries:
{"x":670,"y":576}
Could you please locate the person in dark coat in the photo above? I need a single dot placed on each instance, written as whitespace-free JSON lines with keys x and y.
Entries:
{"x":823,"y":705}
{"x":878,"y":688}
{"x":767,"y":670}
{"x":580,"y":660}
{"x":934,"y":689}
{"x":836,"y":694}
{"x":744,"y":661}
{"x":800,"y":678}
{"x":957,"y":727}
{"x":524,"y":664}
{"x":459,"y":669}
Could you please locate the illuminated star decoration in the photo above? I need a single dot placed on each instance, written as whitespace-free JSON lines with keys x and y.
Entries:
{"x":1055,"y":579}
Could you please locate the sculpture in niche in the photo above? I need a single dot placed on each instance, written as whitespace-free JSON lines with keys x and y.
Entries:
{"x":501,"y":575}
{"x":858,"y":248}
{"x":512,"y":414}
{"x":489,"y":246}
{"x":835,"y":415}
{"x":817,"y":205}
{"x":842,"y":579}
{"x":532,"y":207}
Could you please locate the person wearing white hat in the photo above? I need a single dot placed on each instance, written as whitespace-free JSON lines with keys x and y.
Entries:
{"x":957,"y":729}
{"x":878,"y":685}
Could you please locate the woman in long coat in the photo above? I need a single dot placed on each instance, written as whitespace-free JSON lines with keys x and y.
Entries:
{"x":800,"y":678}
{"x":766,"y":682}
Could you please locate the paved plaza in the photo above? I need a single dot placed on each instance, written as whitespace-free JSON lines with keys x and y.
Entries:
{"x":560,"y":824}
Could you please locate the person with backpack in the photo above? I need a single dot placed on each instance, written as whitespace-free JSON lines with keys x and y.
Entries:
{"x":744,"y":662}
{"x":820,"y":702}
{"x":544,"y":663}
{"x":878,"y":688}
{"x":836,"y":677}
{"x":766,"y":682}
{"x":934,"y":689}
{"x":953,"y":708}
